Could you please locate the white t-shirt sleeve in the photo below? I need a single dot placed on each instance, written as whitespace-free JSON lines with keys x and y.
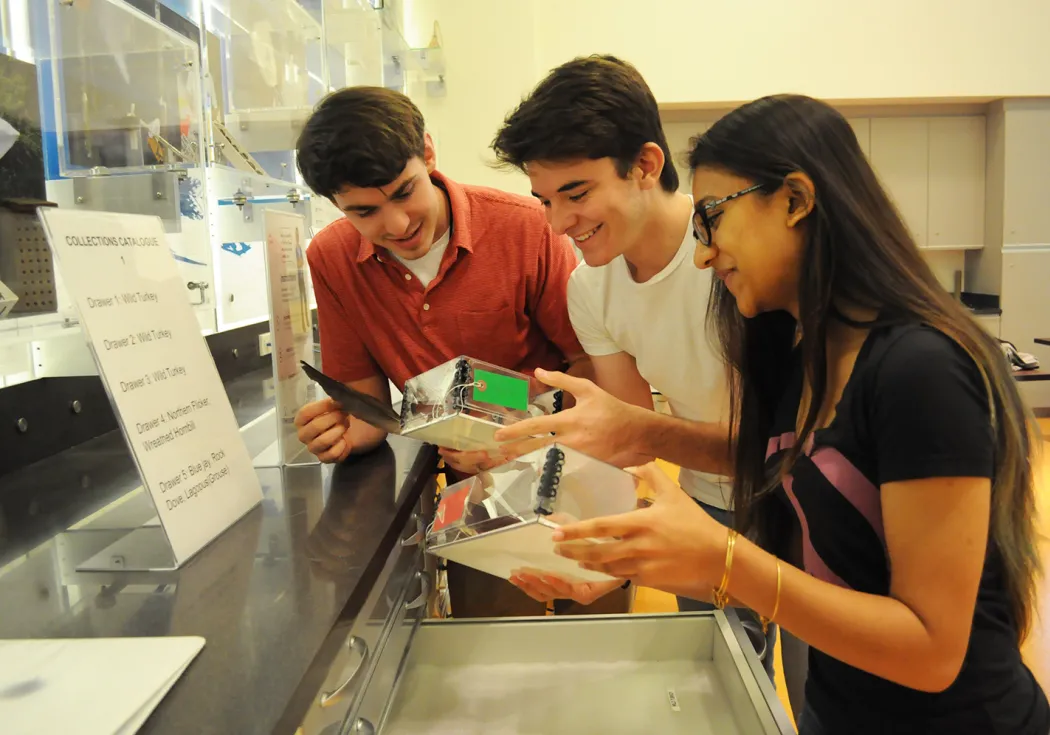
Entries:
{"x":585,"y":313}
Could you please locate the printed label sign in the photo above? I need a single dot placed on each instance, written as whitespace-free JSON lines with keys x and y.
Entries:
{"x":158,"y":372}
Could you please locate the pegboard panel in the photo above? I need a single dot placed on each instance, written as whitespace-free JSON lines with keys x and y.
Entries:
{"x":26,"y":264}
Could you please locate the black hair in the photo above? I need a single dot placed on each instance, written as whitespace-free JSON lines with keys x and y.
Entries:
{"x":359,"y":136}
{"x":588,"y":108}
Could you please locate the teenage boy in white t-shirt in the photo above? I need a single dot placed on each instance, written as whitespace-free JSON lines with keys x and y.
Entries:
{"x":590,"y":139}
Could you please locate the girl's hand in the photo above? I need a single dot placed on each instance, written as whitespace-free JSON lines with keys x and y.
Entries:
{"x":672,"y":545}
{"x":544,"y":587}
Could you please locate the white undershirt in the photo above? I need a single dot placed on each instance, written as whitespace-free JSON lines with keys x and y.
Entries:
{"x":661,"y":323}
{"x":427,"y":267}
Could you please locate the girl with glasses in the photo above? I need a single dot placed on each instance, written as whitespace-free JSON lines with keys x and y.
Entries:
{"x":878,"y":437}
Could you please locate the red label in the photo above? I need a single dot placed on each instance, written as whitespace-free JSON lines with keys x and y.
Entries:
{"x":451,"y":507}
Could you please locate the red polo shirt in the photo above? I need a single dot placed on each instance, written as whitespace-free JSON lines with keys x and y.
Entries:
{"x":499,"y":294}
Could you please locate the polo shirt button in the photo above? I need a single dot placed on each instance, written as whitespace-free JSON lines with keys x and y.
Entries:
{"x":426,"y":307}
{"x":408,"y":276}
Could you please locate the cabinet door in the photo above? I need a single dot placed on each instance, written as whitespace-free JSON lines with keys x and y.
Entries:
{"x":956,"y":188}
{"x":900,"y":156}
{"x":1027,"y":216}
{"x":862,"y":129}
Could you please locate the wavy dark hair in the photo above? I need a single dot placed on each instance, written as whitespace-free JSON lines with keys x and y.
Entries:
{"x":857,"y":252}
{"x":359,"y":136}
{"x":592,"y":107}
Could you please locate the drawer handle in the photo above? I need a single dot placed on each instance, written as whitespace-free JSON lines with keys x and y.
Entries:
{"x":413,"y":540}
{"x":354,"y":644}
{"x":424,"y":592}
{"x":364,"y":727}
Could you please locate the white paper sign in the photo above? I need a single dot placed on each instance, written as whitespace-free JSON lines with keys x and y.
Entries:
{"x":290,"y":326}
{"x":158,"y":371}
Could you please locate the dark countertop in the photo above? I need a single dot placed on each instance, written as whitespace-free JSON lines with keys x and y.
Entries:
{"x":45,"y":498}
{"x":266,"y":595}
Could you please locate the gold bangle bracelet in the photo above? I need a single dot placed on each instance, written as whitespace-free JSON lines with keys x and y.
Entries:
{"x":776,"y":604}
{"x":721,"y":596}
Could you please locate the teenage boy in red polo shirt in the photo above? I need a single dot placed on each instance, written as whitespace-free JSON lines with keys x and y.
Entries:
{"x":420,"y":271}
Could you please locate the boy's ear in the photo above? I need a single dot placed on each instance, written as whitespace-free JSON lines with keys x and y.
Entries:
{"x":650,"y":165}
{"x":429,"y":153}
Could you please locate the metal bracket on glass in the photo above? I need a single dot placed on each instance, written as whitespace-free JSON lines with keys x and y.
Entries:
{"x":424,"y":592}
{"x":360,"y":646}
{"x":295,"y":198}
{"x":243,"y":199}
{"x":198,"y":286}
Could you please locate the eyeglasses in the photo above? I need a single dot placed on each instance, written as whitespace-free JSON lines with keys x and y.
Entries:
{"x":701,"y":222}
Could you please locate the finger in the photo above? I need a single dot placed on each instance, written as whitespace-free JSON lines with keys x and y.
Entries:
{"x":516,"y":449}
{"x":558,"y":586}
{"x":534,"y":427}
{"x":533,"y":587}
{"x":347,"y":448}
{"x":311,"y":411}
{"x":472,"y":456}
{"x":336,"y":453}
{"x":553,"y":586}
{"x":320,"y":425}
{"x":621,"y":525}
{"x":557,"y":379}
{"x":602,"y":553}
{"x":489,"y":462}
{"x":620,"y":568}
{"x":326,"y":440}
{"x":657,"y":480}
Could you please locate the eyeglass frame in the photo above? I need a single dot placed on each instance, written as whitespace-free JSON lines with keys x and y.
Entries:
{"x":701,"y":210}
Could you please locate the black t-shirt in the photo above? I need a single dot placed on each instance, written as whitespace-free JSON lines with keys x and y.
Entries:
{"x":914,"y":407}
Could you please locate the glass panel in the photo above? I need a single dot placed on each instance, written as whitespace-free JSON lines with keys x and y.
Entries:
{"x":128,"y":89}
{"x":236,"y":203}
{"x":39,"y":333}
{"x":354,"y":37}
{"x":265,"y":67}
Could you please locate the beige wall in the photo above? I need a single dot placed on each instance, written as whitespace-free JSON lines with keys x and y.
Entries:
{"x":700,"y":51}
{"x":490,"y":65}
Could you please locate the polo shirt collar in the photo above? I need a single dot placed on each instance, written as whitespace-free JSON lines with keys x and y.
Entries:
{"x":459,"y":216}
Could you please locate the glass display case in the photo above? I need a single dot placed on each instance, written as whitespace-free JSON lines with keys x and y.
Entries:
{"x":123,"y":124}
{"x":128,"y":89}
{"x":354,"y":42}
{"x":264,"y":71}
{"x":185,"y":110}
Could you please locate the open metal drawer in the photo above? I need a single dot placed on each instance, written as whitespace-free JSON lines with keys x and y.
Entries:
{"x":684,"y":673}
{"x":397,"y":601}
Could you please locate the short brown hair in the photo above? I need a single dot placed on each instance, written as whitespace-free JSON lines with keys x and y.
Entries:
{"x":590,"y":107}
{"x":359,"y":136}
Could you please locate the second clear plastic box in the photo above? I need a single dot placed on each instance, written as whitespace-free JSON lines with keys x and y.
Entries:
{"x":461,"y":404}
{"x":502,"y":520}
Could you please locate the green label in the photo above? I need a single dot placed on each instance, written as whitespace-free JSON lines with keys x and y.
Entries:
{"x":501,"y":390}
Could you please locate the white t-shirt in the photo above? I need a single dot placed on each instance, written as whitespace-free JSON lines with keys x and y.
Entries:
{"x":661,"y":324}
{"x":427,"y":267}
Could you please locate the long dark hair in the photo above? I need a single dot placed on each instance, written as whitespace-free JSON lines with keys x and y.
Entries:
{"x":858,"y":252}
